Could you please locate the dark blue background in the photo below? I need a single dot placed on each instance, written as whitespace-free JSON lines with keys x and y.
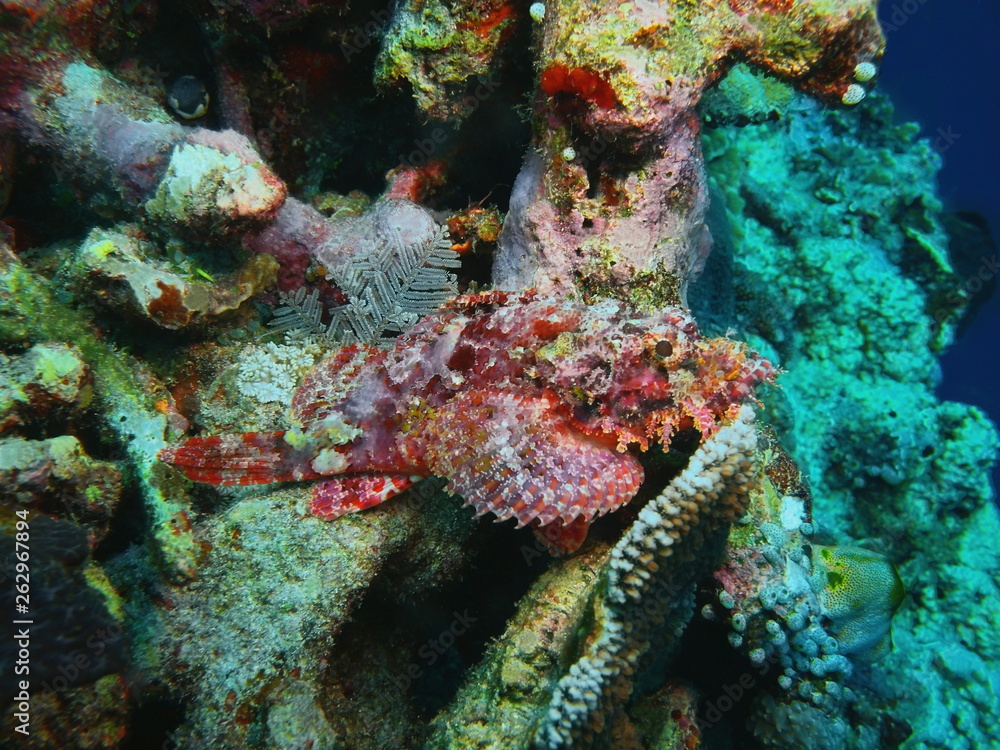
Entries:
{"x":939,"y":69}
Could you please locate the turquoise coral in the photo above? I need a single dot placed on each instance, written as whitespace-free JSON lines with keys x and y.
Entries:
{"x":852,"y":299}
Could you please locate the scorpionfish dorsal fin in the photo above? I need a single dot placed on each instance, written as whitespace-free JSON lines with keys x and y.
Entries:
{"x":512,"y":454}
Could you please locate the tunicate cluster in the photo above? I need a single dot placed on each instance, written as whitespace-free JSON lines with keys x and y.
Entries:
{"x":776,"y":608}
{"x":854,"y":94}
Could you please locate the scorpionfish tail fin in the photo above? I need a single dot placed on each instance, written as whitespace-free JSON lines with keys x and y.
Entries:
{"x":243,"y":459}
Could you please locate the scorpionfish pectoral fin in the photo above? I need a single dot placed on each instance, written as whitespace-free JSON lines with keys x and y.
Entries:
{"x":338,"y":496}
{"x":514,"y":455}
{"x":243,"y":459}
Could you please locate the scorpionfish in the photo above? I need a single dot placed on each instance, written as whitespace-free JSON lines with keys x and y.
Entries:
{"x":527,"y":405}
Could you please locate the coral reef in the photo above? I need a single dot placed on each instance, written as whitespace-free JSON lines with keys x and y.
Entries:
{"x":860,"y":256}
{"x":810,"y":613}
{"x":129,"y":277}
{"x":612,"y":195}
{"x":500,"y":702}
{"x":47,"y":382}
{"x":643,"y":582}
{"x":250,"y":640}
{"x":57,"y":476}
{"x":134,"y":155}
{"x":135,"y":411}
{"x":202,"y":203}
{"x":440,"y":47}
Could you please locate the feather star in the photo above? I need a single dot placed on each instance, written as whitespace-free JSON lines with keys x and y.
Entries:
{"x":528,"y":406}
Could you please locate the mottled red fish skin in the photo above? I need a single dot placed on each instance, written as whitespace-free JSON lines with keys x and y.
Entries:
{"x":599,"y":361}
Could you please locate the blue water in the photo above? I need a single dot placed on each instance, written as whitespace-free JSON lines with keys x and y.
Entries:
{"x":939,"y":70}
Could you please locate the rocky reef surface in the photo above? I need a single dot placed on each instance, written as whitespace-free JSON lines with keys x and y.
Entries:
{"x":202,"y":201}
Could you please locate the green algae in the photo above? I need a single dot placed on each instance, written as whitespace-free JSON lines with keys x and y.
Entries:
{"x":647,"y":291}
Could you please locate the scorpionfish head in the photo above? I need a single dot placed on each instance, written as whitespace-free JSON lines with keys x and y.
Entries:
{"x":632,"y":379}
